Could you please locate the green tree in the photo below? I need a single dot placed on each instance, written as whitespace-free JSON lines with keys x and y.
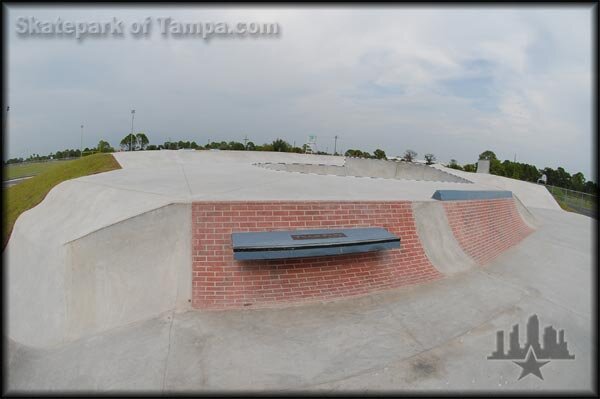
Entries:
{"x":578,"y":181}
{"x":487,"y":155}
{"x":496,"y":167}
{"x":265,"y":147}
{"x":357,"y":154}
{"x":104,"y":146}
{"x":470,"y":167}
{"x":563,"y":178}
{"x":223,"y":145}
{"x":236,"y":146}
{"x":379,"y":154}
{"x":142,"y":141}
{"x":591,"y":187}
{"x":454,"y":165}
{"x":280,"y":145}
{"x":251,"y":146}
{"x":430,"y":159}
{"x":129,"y":142}
{"x":409,"y":155}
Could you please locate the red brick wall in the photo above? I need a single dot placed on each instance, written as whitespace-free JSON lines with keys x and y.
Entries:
{"x":486,"y":228}
{"x":219,"y":281}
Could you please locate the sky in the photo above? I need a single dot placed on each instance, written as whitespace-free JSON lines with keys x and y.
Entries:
{"x":452,"y":81}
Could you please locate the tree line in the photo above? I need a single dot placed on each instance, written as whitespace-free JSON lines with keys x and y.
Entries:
{"x":558,"y":177}
{"x":409,"y":155}
{"x":516,"y":170}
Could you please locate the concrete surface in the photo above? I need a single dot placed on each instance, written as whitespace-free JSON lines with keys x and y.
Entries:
{"x":42,"y":255}
{"x":97,"y":277}
{"x":434,"y":336}
{"x":483,"y":166}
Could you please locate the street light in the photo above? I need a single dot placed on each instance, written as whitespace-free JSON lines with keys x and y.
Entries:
{"x":81,"y":144}
{"x":6,"y":118}
{"x":131,"y":136}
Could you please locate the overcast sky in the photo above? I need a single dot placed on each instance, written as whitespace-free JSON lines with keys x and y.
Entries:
{"x":449,"y":81}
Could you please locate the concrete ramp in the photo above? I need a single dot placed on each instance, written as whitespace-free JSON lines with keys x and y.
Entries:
{"x":129,"y":271}
{"x":317,"y":169}
{"x":526,"y":215}
{"x":437,"y":239}
{"x":370,"y":168}
{"x":458,"y":235}
{"x":398,"y":170}
{"x":376,"y":168}
{"x":486,"y":228}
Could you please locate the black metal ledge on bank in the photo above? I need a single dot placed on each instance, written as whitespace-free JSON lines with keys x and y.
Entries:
{"x":462,"y":195}
{"x":311,"y":243}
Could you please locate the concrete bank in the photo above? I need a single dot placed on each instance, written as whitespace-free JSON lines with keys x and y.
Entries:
{"x":434,"y":336}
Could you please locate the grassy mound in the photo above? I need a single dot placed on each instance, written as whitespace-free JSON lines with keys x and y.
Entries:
{"x":15,"y":171}
{"x":29,"y":193}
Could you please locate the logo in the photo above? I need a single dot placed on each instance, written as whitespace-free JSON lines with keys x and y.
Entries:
{"x":532,"y":356}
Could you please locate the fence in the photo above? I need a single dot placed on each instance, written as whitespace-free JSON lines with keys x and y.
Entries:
{"x":576,"y":201}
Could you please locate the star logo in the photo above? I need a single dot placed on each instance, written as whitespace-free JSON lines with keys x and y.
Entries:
{"x":553,"y":345}
{"x":531,"y":365}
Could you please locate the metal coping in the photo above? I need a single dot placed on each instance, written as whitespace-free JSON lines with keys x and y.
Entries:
{"x":461,"y":195}
{"x":285,"y":244}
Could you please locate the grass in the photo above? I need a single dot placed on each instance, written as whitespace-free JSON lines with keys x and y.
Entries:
{"x":562,"y":204}
{"x":27,"y":194}
{"x":15,"y":171}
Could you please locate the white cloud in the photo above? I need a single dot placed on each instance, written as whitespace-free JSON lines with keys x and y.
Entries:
{"x":452,"y":81}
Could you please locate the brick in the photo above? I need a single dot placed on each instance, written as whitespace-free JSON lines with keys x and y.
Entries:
{"x":486,"y":228}
{"x":219,"y":280}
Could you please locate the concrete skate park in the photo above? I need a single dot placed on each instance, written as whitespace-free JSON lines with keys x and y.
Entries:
{"x":126,"y":280}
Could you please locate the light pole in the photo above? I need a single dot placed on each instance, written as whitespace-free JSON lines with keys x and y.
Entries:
{"x":81,"y":144}
{"x":131,"y":136}
{"x":335,"y":145}
{"x":6,"y":118}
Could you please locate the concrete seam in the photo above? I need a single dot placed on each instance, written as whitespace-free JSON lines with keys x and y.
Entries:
{"x":408,"y":358}
{"x":187,"y":183}
{"x":117,"y":222}
{"x":164,"y":381}
{"x":527,"y":293}
{"x":79,"y":180}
